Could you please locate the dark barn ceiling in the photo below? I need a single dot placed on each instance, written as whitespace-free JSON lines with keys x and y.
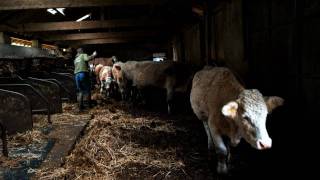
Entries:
{"x":111,"y":21}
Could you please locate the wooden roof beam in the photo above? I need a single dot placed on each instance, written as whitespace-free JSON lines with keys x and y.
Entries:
{"x":102,"y":41}
{"x":43,"y":4}
{"x":72,"y":25}
{"x":106,"y":35}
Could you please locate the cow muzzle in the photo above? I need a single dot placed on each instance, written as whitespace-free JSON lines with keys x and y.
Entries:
{"x":264,"y":144}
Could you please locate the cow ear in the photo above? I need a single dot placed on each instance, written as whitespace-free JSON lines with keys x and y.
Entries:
{"x":230,"y":109}
{"x":272,"y":102}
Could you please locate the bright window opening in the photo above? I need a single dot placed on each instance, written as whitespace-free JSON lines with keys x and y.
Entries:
{"x":159,"y":57}
{"x":20,"y":42}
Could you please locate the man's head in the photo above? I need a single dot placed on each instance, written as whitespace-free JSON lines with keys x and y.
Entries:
{"x":79,"y":50}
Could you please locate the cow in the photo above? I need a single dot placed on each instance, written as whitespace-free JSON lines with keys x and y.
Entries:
{"x":123,"y":77}
{"x":96,"y":71}
{"x":96,"y":64}
{"x":106,"y":80}
{"x":227,"y":109}
{"x":167,"y":75}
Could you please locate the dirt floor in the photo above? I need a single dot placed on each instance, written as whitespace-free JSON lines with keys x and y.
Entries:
{"x":123,"y":141}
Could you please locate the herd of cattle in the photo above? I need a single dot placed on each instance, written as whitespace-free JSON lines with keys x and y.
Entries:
{"x":224,"y":106}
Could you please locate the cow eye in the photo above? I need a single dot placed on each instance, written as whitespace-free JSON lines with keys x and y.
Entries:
{"x":246,"y":118}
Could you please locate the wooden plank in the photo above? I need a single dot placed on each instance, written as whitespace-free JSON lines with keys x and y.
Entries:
{"x":72,"y":25}
{"x":82,"y":36}
{"x":105,"y":41}
{"x":43,"y":4}
{"x":65,"y":136}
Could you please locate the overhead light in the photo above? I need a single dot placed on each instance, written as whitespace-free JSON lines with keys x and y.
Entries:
{"x":61,"y":10}
{"x":84,"y":17}
{"x":52,"y":11}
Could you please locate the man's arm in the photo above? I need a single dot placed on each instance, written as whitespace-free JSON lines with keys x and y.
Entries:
{"x":94,"y":54}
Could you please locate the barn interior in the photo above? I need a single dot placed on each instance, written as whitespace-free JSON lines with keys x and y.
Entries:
{"x":270,"y":45}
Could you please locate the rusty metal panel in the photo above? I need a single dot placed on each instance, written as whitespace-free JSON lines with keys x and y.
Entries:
{"x":50,"y":90}
{"x":15,"y":111}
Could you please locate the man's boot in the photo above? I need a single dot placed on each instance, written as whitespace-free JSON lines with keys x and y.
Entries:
{"x":80,"y":102}
{"x":87,"y":100}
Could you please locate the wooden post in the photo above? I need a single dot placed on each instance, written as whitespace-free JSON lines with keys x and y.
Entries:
{"x":4,"y":39}
{"x":4,"y":140}
{"x":206,"y":35}
{"x":102,"y":14}
{"x":35,"y":43}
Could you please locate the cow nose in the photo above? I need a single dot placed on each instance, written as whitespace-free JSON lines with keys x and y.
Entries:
{"x":264,"y":145}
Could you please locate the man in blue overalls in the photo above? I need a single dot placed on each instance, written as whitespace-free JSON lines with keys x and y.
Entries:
{"x":81,"y":71}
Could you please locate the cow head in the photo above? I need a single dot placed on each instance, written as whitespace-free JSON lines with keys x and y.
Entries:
{"x":120,"y":78}
{"x":114,"y":59}
{"x":250,"y":112}
{"x":97,"y":68}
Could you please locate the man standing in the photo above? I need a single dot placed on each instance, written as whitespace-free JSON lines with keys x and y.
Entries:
{"x":81,"y":71}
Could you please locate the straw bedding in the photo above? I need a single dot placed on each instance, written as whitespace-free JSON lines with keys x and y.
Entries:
{"x":125,"y":142}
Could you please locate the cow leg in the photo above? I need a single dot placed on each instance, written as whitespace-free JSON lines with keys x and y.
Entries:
{"x":210,"y":140}
{"x":169,"y":99}
{"x":123,"y":94}
{"x":220,"y":148}
{"x":101,"y":87}
{"x":222,"y":155}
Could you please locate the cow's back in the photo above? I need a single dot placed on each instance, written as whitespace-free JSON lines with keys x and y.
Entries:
{"x":149,"y":73}
{"x":211,"y":89}
{"x":103,"y":61}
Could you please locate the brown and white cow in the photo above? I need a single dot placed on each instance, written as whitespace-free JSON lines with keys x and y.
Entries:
{"x":140,"y":74}
{"x":96,"y":71}
{"x":226,"y":108}
{"x":106,"y":80}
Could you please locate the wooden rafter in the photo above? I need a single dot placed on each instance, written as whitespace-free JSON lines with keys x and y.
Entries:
{"x":42,"y":4}
{"x":107,"y":35}
{"x":103,"y":41}
{"x":72,"y":25}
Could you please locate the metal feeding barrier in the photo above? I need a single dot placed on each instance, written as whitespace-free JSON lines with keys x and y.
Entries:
{"x":20,"y":98}
{"x":66,"y":81}
{"x":64,"y":93}
{"x":47,"y":93}
{"x":15,"y":115}
{"x":51,"y":90}
{"x":39,"y":103}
